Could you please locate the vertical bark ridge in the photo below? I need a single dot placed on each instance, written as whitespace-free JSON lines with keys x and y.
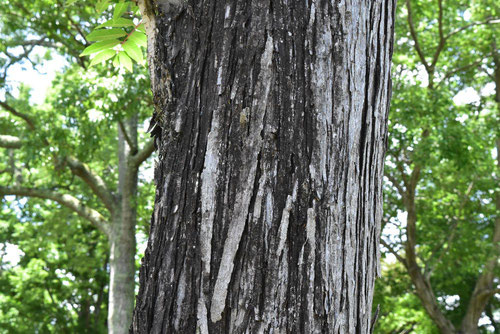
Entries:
{"x":268,"y":198}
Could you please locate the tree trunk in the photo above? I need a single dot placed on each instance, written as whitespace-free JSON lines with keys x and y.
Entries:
{"x":122,"y":239}
{"x":269,"y":198}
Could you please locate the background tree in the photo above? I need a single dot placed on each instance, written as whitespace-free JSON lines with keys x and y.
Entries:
{"x":441,"y":167}
{"x":82,"y":151}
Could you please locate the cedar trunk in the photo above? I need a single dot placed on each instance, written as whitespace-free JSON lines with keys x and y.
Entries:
{"x":273,"y":132}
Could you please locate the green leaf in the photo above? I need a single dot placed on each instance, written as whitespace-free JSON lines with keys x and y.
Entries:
{"x":103,"y":56}
{"x":125,"y":61}
{"x":101,"y":6}
{"x":120,"y":8}
{"x":134,"y":8}
{"x":105,"y":34}
{"x":99,"y":46}
{"x":119,"y":22}
{"x":139,"y":38}
{"x":70,"y":2}
{"x":133,"y":51}
{"x":116,"y":61}
{"x":141,"y":28}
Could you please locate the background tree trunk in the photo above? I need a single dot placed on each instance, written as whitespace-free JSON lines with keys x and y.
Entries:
{"x":268,"y":202}
{"x":122,"y":237}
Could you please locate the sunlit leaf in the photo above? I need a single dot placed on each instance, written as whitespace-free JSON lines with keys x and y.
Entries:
{"x":120,"y":8}
{"x":105,"y":34}
{"x":141,"y":28}
{"x":99,"y":46}
{"x":116,"y":61}
{"x":102,"y":5}
{"x":133,"y":51}
{"x":116,"y":23}
{"x":138,"y":38}
{"x":125,"y":61}
{"x":103,"y":56}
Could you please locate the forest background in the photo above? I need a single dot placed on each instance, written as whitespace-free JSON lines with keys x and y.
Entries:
{"x":76,"y":166}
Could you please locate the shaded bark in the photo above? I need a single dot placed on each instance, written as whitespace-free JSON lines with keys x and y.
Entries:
{"x":272,"y":118}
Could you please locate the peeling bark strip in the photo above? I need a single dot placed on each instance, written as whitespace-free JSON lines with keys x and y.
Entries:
{"x":268,"y":201}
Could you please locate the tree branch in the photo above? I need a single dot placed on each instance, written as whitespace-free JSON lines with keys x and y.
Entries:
{"x":443,"y":246}
{"x":77,"y":168}
{"x":143,"y":154}
{"x":422,"y":284}
{"x":413,"y":33}
{"x":460,"y":69}
{"x":458,"y":30}
{"x":26,"y":118}
{"x":440,"y":19}
{"x":484,"y":289}
{"x":442,"y":42}
{"x":133,"y":148}
{"x":395,"y":183}
{"x":94,"y":181}
{"x":7,"y":141}
{"x":393,"y":252}
{"x":67,"y":200}
{"x":37,"y":42}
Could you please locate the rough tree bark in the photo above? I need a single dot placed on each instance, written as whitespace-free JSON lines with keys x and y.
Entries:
{"x":268,"y":203}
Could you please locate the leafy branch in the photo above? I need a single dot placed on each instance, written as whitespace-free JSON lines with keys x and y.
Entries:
{"x":112,"y":40}
{"x":64,"y":199}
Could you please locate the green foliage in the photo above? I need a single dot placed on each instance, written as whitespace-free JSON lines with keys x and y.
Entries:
{"x":453,"y":147}
{"x":61,"y":279}
{"x":60,"y":284}
{"x":400,"y":309}
{"x":115,"y":38}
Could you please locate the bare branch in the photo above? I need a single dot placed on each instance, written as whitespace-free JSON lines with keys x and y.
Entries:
{"x":67,"y":200}
{"x":143,"y":154}
{"x":94,"y":181}
{"x":7,"y":141}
